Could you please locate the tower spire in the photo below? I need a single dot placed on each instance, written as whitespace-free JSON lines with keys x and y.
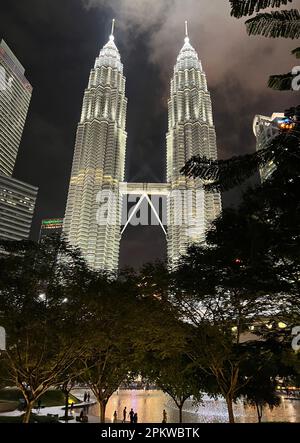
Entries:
{"x":111,"y":37}
{"x":186,"y":32}
{"x":113,"y":26}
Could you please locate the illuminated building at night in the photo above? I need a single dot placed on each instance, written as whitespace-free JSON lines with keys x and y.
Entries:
{"x":265,"y":129}
{"x":99,"y":162}
{"x":191,"y":132}
{"x":51,"y":227}
{"x":93,"y":219}
{"x":17,"y":203}
{"x":17,"y":199}
{"x":15,"y":95}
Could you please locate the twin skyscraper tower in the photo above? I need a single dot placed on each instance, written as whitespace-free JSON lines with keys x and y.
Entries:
{"x":93,"y":219}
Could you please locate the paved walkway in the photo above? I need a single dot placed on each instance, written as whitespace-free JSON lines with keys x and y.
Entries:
{"x":55,"y":410}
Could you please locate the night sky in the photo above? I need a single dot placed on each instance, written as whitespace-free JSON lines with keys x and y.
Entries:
{"x":57,"y":41}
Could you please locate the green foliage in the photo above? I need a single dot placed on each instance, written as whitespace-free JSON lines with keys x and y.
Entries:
{"x":296,"y":52}
{"x":282,"y":151}
{"x":241,"y":8}
{"x":40,"y":342}
{"x":284,"y":24}
{"x":281,"y":82}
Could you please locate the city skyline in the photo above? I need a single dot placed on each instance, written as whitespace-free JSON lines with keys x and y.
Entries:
{"x":49,"y":132}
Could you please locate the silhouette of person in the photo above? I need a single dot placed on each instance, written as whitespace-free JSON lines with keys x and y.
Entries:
{"x":131,"y":415}
{"x":124,"y":414}
{"x":115,"y":417}
{"x":135,"y":418}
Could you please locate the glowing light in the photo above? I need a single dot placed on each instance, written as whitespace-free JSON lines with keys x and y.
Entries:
{"x":282,"y":325}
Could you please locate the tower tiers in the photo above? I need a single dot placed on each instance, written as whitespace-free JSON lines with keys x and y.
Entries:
{"x":99,"y":163}
{"x":99,"y":160}
{"x":191,"y":132}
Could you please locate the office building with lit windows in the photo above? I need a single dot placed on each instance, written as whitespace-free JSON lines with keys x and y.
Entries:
{"x":17,"y":203}
{"x":51,"y":227}
{"x":15,"y":95}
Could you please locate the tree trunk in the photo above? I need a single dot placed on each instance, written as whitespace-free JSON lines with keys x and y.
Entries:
{"x":229,"y":402}
{"x":259,"y":412}
{"x":180,"y":413}
{"x":66,"y":406}
{"x":28,"y":410}
{"x":102,"y":405}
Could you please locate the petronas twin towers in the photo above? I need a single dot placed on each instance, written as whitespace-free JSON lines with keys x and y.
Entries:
{"x":93,"y":216}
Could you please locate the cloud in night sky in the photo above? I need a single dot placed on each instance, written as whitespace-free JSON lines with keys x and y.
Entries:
{"x":226,"y":49}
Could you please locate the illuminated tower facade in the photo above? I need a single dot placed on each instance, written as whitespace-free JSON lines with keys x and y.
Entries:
{"x":99,"y":163}
{"x":191,"y":132}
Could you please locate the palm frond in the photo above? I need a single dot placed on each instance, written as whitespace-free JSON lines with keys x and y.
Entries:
{"x":281,"y":82}
{"x":296,"y":52}
{"x":226,"y":174}
{"x":241,"y":8}
{"x":275,"y":24}
{"x":223,"y":175}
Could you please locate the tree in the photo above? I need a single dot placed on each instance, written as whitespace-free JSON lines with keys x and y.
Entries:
{"x":282,"y":151}
{"x":41,"y":345}
{"x":107,"y":312}
{"x":222,"y":295}
{"x":179,"y":379}
{"x":269,"y":215}
{"x":260,"y":392}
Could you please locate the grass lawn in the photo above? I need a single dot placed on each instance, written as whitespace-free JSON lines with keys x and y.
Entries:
{"x":51,"y":398}
{"x":6,"y":406}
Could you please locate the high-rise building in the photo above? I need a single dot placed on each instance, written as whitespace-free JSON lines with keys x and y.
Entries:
{"x":15,"y":95}
{"x":51,"y":227}
{"x":265,"y":129}
{"x":191,"y":132}
{"x":99,"y":162}
{"x":17,"y":202}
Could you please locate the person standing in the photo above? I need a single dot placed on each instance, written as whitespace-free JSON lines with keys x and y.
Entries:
{"x":85,"y":397}
{"x":115,"y":417}
{"x":124,"y":414}
{"x":165,"y":417}
{"x":88,"y":397}
{"x":135,"y":418}
{"x":131,"y":415}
